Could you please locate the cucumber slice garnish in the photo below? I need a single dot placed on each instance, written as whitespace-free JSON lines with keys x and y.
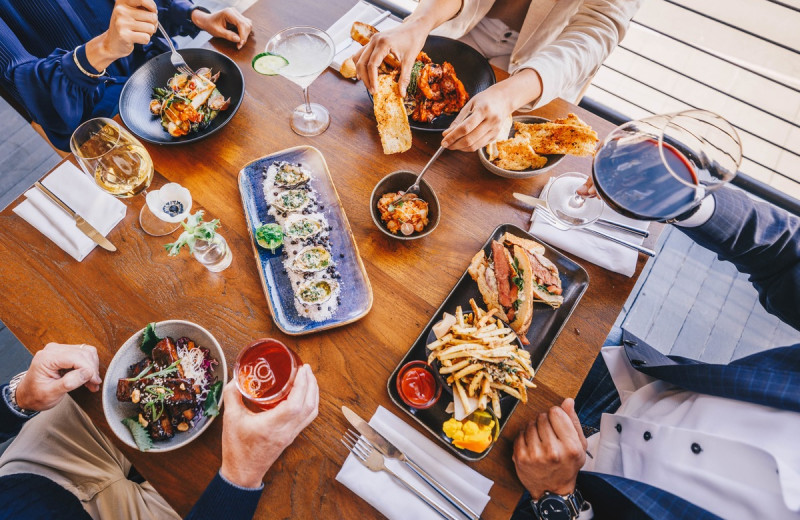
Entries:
{"x":269,"y":64}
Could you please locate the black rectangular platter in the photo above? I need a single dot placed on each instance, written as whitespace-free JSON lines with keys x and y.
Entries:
{"x":545,"y":327}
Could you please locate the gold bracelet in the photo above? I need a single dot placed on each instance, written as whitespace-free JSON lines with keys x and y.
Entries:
{"x":80,"y":67}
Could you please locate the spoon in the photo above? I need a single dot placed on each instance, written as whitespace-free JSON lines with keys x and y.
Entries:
{"x":414,"y":188}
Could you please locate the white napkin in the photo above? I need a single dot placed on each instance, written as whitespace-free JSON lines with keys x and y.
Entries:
{"x":393,"y":500}
{"x":340,"y":31}
{"x":597,"y":250}
{"x":79,"y":192}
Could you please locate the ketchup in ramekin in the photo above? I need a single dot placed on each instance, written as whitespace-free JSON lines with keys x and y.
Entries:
{"x":264,"y":373}
{"x":418,"y":385}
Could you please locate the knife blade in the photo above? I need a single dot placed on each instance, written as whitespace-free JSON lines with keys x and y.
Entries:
{"x":539,"y":203}
{"x":390,"y":450}
{"x":80,"y":222}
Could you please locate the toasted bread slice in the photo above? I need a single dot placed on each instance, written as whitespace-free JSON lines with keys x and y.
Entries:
{"x":526,"y":244}
{"x":491,"y":149}
{"x":574,"y":137}
{"x":348,"y":68}
{"x":362,"y":33}
{"x":391,"y":115}
{"x":571,"y":119}
{"x":517,"y":154}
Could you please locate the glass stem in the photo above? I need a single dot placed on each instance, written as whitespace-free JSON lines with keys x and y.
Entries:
{"x":309,"y":113}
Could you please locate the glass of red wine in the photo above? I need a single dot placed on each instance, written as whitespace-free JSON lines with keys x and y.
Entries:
{"x":661,"y":167}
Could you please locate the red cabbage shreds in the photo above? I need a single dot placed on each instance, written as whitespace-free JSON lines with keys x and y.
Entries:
{"x":208,"y":364}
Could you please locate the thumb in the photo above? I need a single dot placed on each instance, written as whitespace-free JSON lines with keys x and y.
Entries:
{"x":229,"y":35}
{"x":76,"y":378}
{"x":569,"y":406}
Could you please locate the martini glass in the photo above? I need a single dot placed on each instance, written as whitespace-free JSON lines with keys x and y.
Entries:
{"x":308,"y":52}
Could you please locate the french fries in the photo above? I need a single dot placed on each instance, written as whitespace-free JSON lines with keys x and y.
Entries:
{"x":481,"y":358}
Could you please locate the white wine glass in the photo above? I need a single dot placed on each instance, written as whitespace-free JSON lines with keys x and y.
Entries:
{"x":308,"y":51}
{"x":119,"y":165}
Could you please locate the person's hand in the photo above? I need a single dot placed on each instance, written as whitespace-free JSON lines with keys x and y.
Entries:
{"x":56,"y":370}
{"x":132,"y":21}
{"x":252,"y":442}
{"x":479,"y":121}
{"x":404,"y":41}
{"x":588,"y":190}
{"x":216,"y":24}
{"x":550,"y":451}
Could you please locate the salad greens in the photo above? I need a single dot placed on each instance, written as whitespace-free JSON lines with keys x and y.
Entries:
{"x":149,"y":339}
{"x":211,"y":404}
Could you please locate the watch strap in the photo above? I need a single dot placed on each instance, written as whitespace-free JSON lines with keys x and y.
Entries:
{"x":10,"y":397}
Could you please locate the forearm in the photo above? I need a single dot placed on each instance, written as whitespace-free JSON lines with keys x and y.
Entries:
{"x":430,"y":14}
{"x":762,"y":241}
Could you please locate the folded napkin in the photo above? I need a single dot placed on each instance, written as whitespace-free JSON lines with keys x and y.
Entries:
{"x":597,"y":250}
{"x":340,"y":31}
{"x":394,"y":501}
{"x":79,"y":192}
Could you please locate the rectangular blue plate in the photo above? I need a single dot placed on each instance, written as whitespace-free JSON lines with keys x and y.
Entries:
{"x":356,"y":291}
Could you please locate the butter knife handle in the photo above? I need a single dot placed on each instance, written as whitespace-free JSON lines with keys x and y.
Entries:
{"x":421,"y":495}
{"x":424,"y":475}
{"x":52,"y":196}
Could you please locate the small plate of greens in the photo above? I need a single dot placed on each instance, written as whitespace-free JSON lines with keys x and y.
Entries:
{"x":164,"y":386}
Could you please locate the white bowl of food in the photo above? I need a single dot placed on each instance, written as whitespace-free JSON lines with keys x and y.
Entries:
{"x":514,"y":160}
{"x":163,"y":397}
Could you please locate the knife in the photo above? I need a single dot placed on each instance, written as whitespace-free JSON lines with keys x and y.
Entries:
{"x":349,"y":41}
{"x":389,"y":450}
{"x":83,"y":226}
{"x":533,"y":201}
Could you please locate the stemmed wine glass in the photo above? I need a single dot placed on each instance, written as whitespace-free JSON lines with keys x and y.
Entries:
{"x":308,"y":51}
{"x":119,"y":164}
{"x":656,"y":168}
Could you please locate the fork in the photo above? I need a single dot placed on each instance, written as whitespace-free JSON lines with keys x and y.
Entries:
{"x":373,"y":460}
{"x":413,"y":190}
{"x":553,"y":221}
{"x":177,"y":60}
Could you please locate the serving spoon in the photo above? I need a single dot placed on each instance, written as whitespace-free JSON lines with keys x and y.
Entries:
{"x":414,"y":188}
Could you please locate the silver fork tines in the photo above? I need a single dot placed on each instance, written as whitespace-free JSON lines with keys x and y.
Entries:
{"x":175,"y":58}
{"x":366,"y":453}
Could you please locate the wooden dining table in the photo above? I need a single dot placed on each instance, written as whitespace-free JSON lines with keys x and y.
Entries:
{"x":103,"y":300}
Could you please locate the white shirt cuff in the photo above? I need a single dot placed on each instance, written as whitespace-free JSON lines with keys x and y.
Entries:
{"x":701,"y":216}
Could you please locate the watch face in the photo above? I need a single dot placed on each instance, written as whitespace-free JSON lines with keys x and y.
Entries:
{"x":554,"y":508}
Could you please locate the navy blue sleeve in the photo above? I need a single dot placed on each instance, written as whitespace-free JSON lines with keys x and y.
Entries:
{"x":760,"y":240}
{"x":56,"y":94}
{"x":221,"y":499}
{"x":10,"y":423}
{"x":176,"y":17}
{"x":619,"y":497}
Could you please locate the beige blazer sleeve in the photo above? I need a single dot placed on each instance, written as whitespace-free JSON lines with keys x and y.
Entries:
{"x":472,"y":12}
{"x":572,"y":57}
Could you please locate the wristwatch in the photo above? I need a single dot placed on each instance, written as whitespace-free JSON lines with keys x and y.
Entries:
{"x":10,"y":397}
{"x":558,"y":507}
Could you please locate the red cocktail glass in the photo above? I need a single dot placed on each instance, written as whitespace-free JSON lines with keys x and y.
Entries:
{"x":264,"y":373}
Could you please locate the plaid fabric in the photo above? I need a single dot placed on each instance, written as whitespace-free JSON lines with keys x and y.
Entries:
{"x":760,"y":240}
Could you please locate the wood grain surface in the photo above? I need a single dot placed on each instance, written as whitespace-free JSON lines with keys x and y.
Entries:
{"x":103,"y":300}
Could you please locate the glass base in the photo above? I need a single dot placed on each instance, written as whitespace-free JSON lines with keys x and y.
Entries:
{"x":310,"y":124}
{"x":154,"y":226}
{"x":567,"y":206}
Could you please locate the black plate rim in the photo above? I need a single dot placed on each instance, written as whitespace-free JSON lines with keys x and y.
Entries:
{"x":185,"y":139}
{"x":464,"y":454}
{"x":415,"y":125}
